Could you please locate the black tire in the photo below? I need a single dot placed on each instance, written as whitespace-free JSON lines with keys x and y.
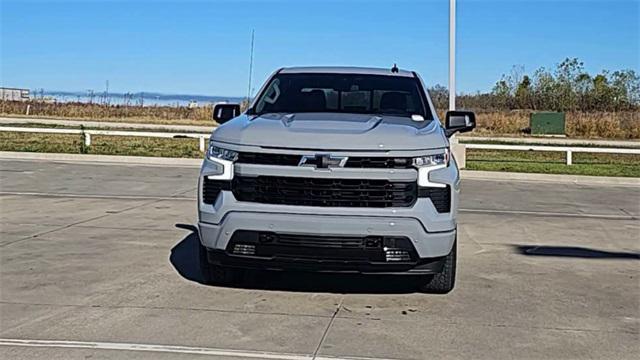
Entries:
{"x":216,"y":275}
{"x":443,"y":282}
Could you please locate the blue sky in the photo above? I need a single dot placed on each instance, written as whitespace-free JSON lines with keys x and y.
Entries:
{"x":202,"y":47}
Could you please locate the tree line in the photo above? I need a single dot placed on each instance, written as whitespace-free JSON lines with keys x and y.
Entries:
{"x":568,"y":87}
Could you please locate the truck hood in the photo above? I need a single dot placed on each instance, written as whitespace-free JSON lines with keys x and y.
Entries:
{"x":332,"y":131}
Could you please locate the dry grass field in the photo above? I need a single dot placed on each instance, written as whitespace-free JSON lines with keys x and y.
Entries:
{"x":593,"y":125}
{"x":606,"y":125}
{"x":170,"y":115}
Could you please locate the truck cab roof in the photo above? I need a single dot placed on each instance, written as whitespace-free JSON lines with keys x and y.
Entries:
{"x":344,"y":70}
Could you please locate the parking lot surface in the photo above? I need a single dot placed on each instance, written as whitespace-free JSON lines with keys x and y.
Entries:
{"x":99,"y":261}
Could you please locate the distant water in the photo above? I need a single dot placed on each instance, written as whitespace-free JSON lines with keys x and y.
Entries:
{"x":145,"y":99}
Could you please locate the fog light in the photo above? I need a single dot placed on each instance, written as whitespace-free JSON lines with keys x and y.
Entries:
{"x":243,"y":249}
{"x":373,"y":242}
{"x":267,"y":238}
{"x":396,"y":255}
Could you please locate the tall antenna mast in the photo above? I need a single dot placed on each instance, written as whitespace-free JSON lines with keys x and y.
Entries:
{"x":452,"y":54}
{"x":250,"y":65}
{"x":106,"y":93}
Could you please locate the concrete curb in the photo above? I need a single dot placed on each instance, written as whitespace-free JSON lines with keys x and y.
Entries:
{"x":184,"y":162}
{"x":102,"y":159}
{"x":552,"y":178}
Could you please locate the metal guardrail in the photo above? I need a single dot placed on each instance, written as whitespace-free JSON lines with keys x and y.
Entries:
{"x":569,"y":150}
{"x":555,"y":141}
{"x":87,"y":133}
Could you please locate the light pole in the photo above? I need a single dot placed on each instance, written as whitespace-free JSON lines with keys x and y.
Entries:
{"x":452,"y":54}
{"x":457,"y":149}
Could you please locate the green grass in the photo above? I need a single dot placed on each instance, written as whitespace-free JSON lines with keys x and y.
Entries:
{"x":625,"y":165}
{"x":103,"y":145}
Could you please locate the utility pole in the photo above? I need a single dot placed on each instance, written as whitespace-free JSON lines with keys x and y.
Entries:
{"x":452,"y":54}
{"x":457,"y":149}
{"x":250,"y":65}
{"x":106,"y":93}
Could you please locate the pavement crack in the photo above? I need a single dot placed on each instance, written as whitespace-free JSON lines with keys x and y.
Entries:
{"x":101,"y":196}
{"x":552,"y":214}
{"x":505,"y":326}
{"x":78,"y":223}
{"x":326,"y":330}
{"x":185,"y":191}
{"x":52,"y":230}
{"x":142,"y":307}
{"x":629,"y":213}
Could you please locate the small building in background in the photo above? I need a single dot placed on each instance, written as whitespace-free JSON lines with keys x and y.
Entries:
{"x":14,"y":94}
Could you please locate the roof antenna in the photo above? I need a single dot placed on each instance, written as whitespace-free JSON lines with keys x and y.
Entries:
{"x":394,"y":69}
{"x":253,"y":32}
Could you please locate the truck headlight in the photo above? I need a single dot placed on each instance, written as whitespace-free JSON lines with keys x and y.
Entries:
{"x":428,"y":163}
{"x":432,"y":160}
{"x":222,"y":162}
{"x":215,"y":152}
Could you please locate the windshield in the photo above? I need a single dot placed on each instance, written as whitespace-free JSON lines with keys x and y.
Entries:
{"x":342,"y":93}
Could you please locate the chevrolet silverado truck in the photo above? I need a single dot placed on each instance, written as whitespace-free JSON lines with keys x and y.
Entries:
{"x":332,"y":169}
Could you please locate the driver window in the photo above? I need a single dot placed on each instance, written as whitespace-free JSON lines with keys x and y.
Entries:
{"x":270,"y":96}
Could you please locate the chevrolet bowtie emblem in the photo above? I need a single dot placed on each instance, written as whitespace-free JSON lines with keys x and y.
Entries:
{"x":323,"y":161}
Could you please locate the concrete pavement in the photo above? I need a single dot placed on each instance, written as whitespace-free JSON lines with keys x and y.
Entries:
{"x":98,"y":261}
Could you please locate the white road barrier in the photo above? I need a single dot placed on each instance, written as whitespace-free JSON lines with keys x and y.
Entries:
{"x":569,"y":150}
{"x":87,"y":133}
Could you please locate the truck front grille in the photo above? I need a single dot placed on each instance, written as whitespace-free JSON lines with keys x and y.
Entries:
{"x":379,"y":162}
{"x":324,"y":192}
{"x":268,"y":159}
{"x":373,"y":162}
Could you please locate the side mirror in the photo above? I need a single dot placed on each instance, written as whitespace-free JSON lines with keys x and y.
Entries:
{"x":224,"y":112}
{"x":459,"y":121}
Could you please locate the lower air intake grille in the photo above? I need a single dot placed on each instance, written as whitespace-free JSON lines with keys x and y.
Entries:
{"x":321,"y":241}
{"x":321,"y":247}
{"x":211,"y":189}
{"x":440,"y":197}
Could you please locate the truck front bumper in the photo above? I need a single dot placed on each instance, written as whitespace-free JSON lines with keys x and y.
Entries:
{"x":424,"y":250}
{"x":425,"y":244}
{"x":428,"y":266}
{"x":428,"y":235}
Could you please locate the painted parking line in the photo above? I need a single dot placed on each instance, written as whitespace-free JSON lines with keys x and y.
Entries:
{"x":214,"y":352}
